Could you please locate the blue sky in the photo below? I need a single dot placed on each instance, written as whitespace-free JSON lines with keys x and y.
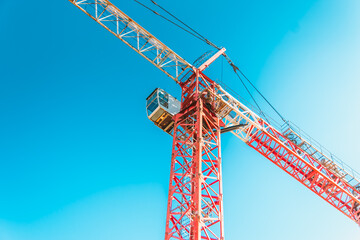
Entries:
{"x":80,"y":160}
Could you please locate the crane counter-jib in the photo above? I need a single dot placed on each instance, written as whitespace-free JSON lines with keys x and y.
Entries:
{"x":295,"y":160}
{"x":233,"y":112}
{"x":315,"y":149}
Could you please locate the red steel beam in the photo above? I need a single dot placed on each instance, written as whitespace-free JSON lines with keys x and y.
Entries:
{"x":195,"y":206}
{"x":316,"y":177}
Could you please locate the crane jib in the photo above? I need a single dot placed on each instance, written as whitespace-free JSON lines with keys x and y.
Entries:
{"x":135,"y":36}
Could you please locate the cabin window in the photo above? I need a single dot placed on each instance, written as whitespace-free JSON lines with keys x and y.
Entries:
{"x":164,"y":99}
{"x":152,"y":104}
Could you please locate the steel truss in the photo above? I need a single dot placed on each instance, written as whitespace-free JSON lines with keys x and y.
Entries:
{"x":307,"y":170}
{"x":135,"y":36}
{"x":195,"y":209}
{"x":326,"y":182}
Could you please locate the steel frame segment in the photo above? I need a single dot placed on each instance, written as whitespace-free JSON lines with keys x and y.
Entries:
{"x":195,"y":209}
{"x":306,"y":170}
{"x":315,"y":150}
{"x":135,"y":36}
{"x":333,"y":189}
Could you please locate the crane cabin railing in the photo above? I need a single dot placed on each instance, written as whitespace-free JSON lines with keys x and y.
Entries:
{"x":321,"y":154}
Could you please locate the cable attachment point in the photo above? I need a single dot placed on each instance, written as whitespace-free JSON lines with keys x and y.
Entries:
{"x":235,"y":68}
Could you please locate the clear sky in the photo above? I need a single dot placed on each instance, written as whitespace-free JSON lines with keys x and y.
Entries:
{"x":80,"y":160}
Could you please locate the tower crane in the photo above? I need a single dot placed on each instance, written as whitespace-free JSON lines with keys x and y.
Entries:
{"x":195,"y":200}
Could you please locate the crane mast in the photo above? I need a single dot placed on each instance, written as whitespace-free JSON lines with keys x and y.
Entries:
{"x":195,"y":202}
